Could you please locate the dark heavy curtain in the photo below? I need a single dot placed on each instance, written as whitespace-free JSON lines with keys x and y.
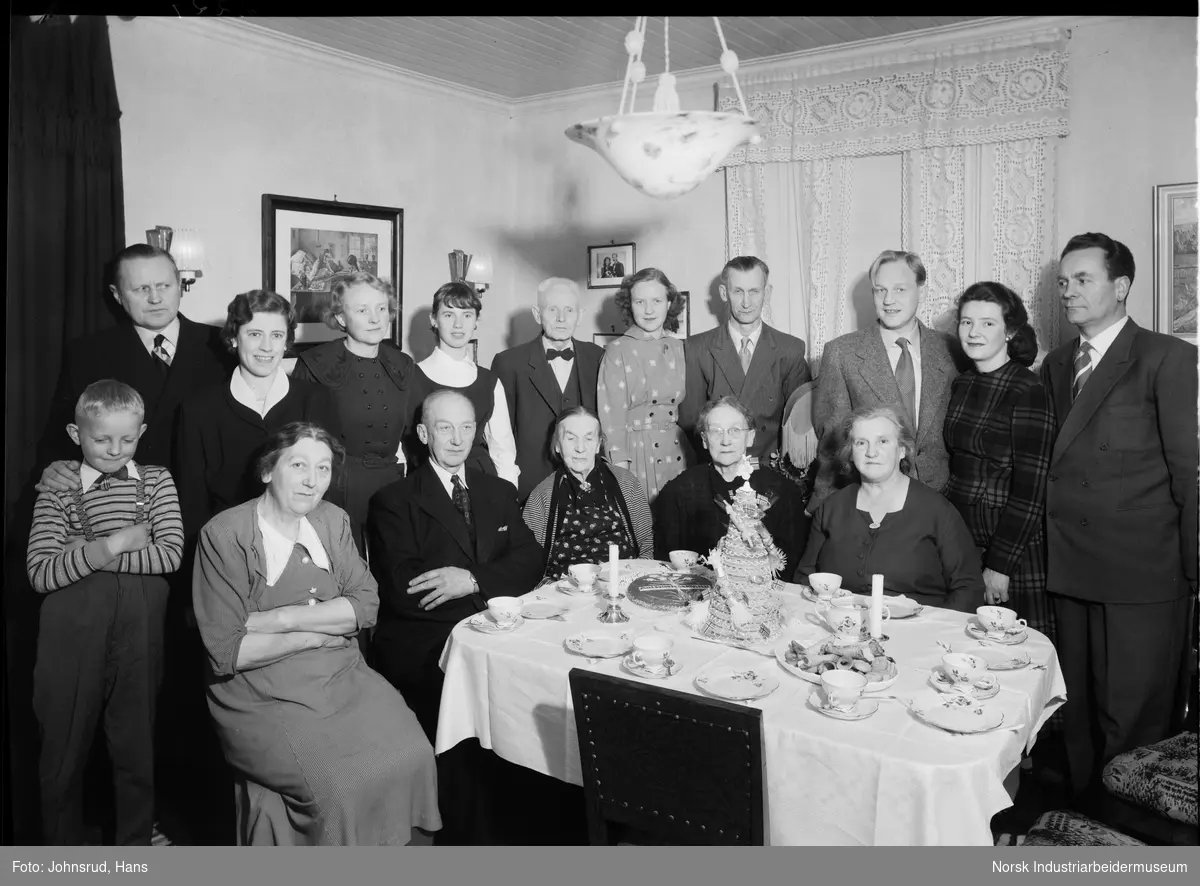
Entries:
{"x":66,"y":218}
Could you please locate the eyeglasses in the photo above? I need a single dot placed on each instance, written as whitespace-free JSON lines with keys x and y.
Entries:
{"x":726,"y":433}
{"x":447,"y":430}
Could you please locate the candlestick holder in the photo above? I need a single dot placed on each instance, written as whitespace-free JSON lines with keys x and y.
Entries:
{"x":613,"y":614}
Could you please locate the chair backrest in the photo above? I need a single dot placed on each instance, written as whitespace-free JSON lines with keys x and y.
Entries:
{"x":685,"y":768}
{"x":799,"y":437}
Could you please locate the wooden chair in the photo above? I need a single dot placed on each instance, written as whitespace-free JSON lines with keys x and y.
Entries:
{"x":662,"y":767}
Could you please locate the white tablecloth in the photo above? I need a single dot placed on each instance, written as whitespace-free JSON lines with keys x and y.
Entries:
{"x":886,"y":780}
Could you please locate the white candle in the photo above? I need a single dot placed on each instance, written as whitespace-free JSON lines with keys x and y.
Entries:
{"x":876,"y":606}
{"x":614,"y":554}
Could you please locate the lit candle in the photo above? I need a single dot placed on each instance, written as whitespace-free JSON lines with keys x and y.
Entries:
{"x":876,"y":606}
{"x":614,"y":554}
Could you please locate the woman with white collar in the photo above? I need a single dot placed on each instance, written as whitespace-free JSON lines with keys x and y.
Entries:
{"x":455,"y":314}
{"x":325,"y":750}
{"x":223,"y":428}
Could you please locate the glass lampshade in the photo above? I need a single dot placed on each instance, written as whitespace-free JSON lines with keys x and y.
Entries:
{"x":480,"y":271}
{"x":188,"y":252}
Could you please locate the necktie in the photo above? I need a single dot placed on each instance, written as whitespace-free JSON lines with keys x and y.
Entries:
{"x":746,"y":354}
{"x":565,"y":354}
{"x":1083,"y":368}
{"x":906,"y":378}
{"x":462,"y":500}
{"x":160,"y":351}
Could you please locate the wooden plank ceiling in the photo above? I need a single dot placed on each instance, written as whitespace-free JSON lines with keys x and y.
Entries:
{"x":517,"y":57}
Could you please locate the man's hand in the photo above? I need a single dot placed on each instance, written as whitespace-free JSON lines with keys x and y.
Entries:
{"x":995,"y":587}
{"x":446,"y":583}
{"x":59,"y":476}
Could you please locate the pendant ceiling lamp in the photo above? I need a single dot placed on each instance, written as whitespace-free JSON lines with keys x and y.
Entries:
{"x":666,"y":152}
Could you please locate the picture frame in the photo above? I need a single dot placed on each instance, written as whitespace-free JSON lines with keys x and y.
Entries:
{"x":603,"y":338}
{"x":609,"y":265}
{"x":685,"y":318}
{"x":309,"y":245}
{"x":1175,"y":259}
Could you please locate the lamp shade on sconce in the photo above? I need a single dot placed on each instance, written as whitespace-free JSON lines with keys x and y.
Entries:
{"x":188,"y":252}
{"x":480,"y":271}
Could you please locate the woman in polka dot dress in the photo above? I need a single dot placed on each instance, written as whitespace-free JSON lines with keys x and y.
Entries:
{"x":641,"y":383}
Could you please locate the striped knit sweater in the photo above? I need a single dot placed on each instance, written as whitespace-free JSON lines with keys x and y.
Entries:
{"x":57,"y":523}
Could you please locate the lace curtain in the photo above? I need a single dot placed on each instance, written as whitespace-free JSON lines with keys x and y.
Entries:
{"x":948,"y":152}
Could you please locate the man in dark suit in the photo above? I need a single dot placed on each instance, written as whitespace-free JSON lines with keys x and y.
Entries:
{"x":443,"y":540}
{"x":618,"y":269}
{"x":744,"y":358}
{"x":543,"y":377}
{"x":1120,"y":512}
{"x":899,"y":361}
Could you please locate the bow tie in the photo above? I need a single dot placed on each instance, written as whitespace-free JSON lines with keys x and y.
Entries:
{"x":564,"y":354}
{"x":122,"y":473}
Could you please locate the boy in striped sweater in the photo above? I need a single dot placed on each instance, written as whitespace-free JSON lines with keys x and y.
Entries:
{"x":100,"y":553}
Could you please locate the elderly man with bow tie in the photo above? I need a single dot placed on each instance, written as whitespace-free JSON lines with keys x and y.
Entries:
{"x":543,"y":377}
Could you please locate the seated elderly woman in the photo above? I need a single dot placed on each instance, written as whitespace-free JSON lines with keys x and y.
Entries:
{"x":686,"y":514}
{"x":587,"y":504}
{"x":326,"y":751}
{"x":886,"y":523}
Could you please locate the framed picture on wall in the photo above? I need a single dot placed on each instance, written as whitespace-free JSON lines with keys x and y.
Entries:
{"x":310,"y":245}
{"x":603,"y":338}
{"x":1175,"y":260}
{"x":685,"y":319}
{"x":608,"y":265}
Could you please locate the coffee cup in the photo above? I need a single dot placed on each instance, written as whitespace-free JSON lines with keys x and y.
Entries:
{"x":684,"y":560}
{"x":966,"y":670}
{"x":999,"y":620}
{"x":825,"y":584}
{"x":650,"y":651}
{"x":504,"y":610}
{"x":843,"y":689}
{"x":583,"y":574}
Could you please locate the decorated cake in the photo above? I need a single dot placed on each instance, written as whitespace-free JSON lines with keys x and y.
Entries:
{"x":743,"y":606}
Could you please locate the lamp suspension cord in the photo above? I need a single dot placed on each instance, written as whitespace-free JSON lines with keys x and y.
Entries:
{"x":641,"y":28}
{"x":724,"y":49}
{"x":628,"y":68}
{"x":667,"y":43}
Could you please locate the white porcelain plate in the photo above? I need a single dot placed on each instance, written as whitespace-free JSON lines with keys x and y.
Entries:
{"x":997,"y":659}
{"x":980,"y":693}
{"x":955,"y":712}
{"x":640,"y":670}
{"x":599,"y":644}
{"x":540,"y":607}
{"x":976,"y":630}
{"x":567,"y":586}
{"x":865,"y":708}
{"x":737,"y":684}
{"x":484,"y":623}
{"x":781,"y":657}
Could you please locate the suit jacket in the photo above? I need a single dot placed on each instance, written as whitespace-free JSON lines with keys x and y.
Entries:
{"x":714,"y":370}
{"x":412,"y":527}
{"x":201,"y":359}
{"x":855,"y":372}
{"x":1121,"y":499}
{"x":534,"y":401}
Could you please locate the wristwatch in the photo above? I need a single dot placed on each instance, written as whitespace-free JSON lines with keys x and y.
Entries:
{"x":475,"y":585}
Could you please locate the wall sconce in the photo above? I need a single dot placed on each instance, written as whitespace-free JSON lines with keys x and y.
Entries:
{"x":475,"y":270}
{"x":185,"y":247}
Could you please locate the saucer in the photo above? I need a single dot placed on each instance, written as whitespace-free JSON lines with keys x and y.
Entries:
{"x":863,"y":709}
{"x":484,"y":623}
{"x":539,"y":607}
{"x":811,"y":596}
{"x":954,"y":712}
{"x":567,"y":586}
{"x":628,"y":665}
{"x":939,"y":682}
{"x":1011,"y":638}
{"x":997,"y":659}
{"x":737,"y":684}
{"x":599,"y":644}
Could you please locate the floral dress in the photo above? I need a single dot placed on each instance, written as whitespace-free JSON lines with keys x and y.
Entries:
{"x":640,"y":388}
{"x":588,"y":521}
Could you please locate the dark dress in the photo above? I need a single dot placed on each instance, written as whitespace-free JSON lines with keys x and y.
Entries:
{"x":1000,"y":435}
{"x":688,"y":518}
{"x":373,"y":397}
{"x":220,"y":440}
{"x":923,"y":551}
{"x":481,"y":393}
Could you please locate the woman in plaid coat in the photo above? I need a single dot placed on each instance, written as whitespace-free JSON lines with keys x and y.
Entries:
{"x":999,"y":433}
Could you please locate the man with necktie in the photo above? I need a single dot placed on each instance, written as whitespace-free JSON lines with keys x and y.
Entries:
{"x":546,"y":376}
{"x":1120,"y":512}
{"x":443,"y":541}
{"x":897,"y":361}
{"x":743,"y":358}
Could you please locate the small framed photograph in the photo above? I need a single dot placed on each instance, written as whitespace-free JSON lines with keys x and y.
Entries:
{"x":603,"y":338}
{"x":1175,"y":260}
{"x":608,"y":265}
{"x":310,"y":245}
{"x":685,"y":319}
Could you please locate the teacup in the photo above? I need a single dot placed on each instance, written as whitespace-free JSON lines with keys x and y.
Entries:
{"x":847,"y":617}
{"x":504,"y":610}
{"x":650,"y":651}
{"x":684,"y":560}
{"x":966,"y":670}
{"x":999,"y":620}
{"x":843,"y":689}
{"x":825,"y":584}
{"x":583,"y":574}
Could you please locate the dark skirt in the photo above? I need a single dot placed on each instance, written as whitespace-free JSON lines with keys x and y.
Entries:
{"x":360,"y":478}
